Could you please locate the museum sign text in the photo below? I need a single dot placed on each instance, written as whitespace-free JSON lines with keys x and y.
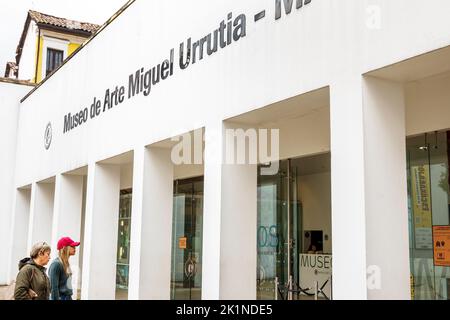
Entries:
{"x":189,"y":52}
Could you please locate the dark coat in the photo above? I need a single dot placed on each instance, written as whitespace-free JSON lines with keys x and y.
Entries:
{"x":60,"y":281}
{"x":31,"y":276}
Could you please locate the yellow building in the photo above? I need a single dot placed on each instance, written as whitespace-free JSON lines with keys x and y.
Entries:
{"x":46,"y":42}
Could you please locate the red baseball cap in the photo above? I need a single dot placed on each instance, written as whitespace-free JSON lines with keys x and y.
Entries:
{"x":67,"y":242}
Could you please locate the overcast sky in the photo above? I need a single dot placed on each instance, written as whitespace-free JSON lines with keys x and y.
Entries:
{"x":14,"y":13}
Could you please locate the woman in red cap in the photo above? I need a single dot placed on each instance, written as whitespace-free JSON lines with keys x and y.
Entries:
{"x":60,"y":272}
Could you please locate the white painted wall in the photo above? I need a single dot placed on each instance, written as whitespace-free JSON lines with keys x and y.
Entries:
{"x":9,"y":112}
{"x":18,"y":236}
{"x":151,"y":239}
{"x":238,"y":233}
{"x":305,"y":66}
{"x":306,"y":135}
{"x":188,"y":171}
{"x":27,"y":67}
{"x":81,"y":247}
{"x":389,"y":24}
{"x":212,"y":206}
{"x":386,"y":211}
{"x":41,"y":214}
{"x":427,"y":104}
{"x":101,"y":231}
{"x":126,"y":177}
{"x":347,"y":188}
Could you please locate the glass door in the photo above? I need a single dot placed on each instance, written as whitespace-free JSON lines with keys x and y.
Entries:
{"x":278,"y":231}
{"x":186,"y":277}
{"x":429,"y":215}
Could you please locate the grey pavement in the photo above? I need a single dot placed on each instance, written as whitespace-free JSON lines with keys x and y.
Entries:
{"x":6,"y":291}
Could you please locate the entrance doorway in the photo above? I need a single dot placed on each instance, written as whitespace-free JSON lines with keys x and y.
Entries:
{"x":187,"y":229}
{"x":428,"y":158}
{"x":294,"y":230}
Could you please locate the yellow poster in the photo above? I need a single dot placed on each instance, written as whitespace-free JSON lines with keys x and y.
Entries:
{"x":421,"y":193}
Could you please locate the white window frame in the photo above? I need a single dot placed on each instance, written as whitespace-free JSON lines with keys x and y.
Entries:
{"x":53,"y":43}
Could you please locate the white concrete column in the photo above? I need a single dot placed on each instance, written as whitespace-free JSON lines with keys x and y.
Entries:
{"x":239,"y":232}
{"x":67,"y":217}
{"x":9,"y":113}
{"x":19,"y":227}
{"x":212,"y":207}
{"x":101,"y":228}
{"x":41,"y":212}
{"x":348,"y":189}
{"x":5,"y":234}
{"x":386,"y":190}
{"x":229,"y":223}
{"x":151,"y":225}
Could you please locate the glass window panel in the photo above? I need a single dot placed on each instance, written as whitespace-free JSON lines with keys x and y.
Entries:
{"x":428,"y":206}
{"x":123,"y":241}
{"x":54,"y":59}
{"x":187,"y":230}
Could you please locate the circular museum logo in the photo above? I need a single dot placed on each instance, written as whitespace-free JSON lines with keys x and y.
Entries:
{"x":48,"y":136}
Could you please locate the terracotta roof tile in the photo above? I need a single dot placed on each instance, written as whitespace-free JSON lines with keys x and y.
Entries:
{"x":62,"y":22}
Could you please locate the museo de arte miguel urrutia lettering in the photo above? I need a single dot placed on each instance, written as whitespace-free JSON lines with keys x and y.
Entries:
{"x":230,"y":30}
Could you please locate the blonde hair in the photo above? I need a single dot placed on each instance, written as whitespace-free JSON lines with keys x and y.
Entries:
{"x":64,"y":255}
{"x":39,"y":248}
